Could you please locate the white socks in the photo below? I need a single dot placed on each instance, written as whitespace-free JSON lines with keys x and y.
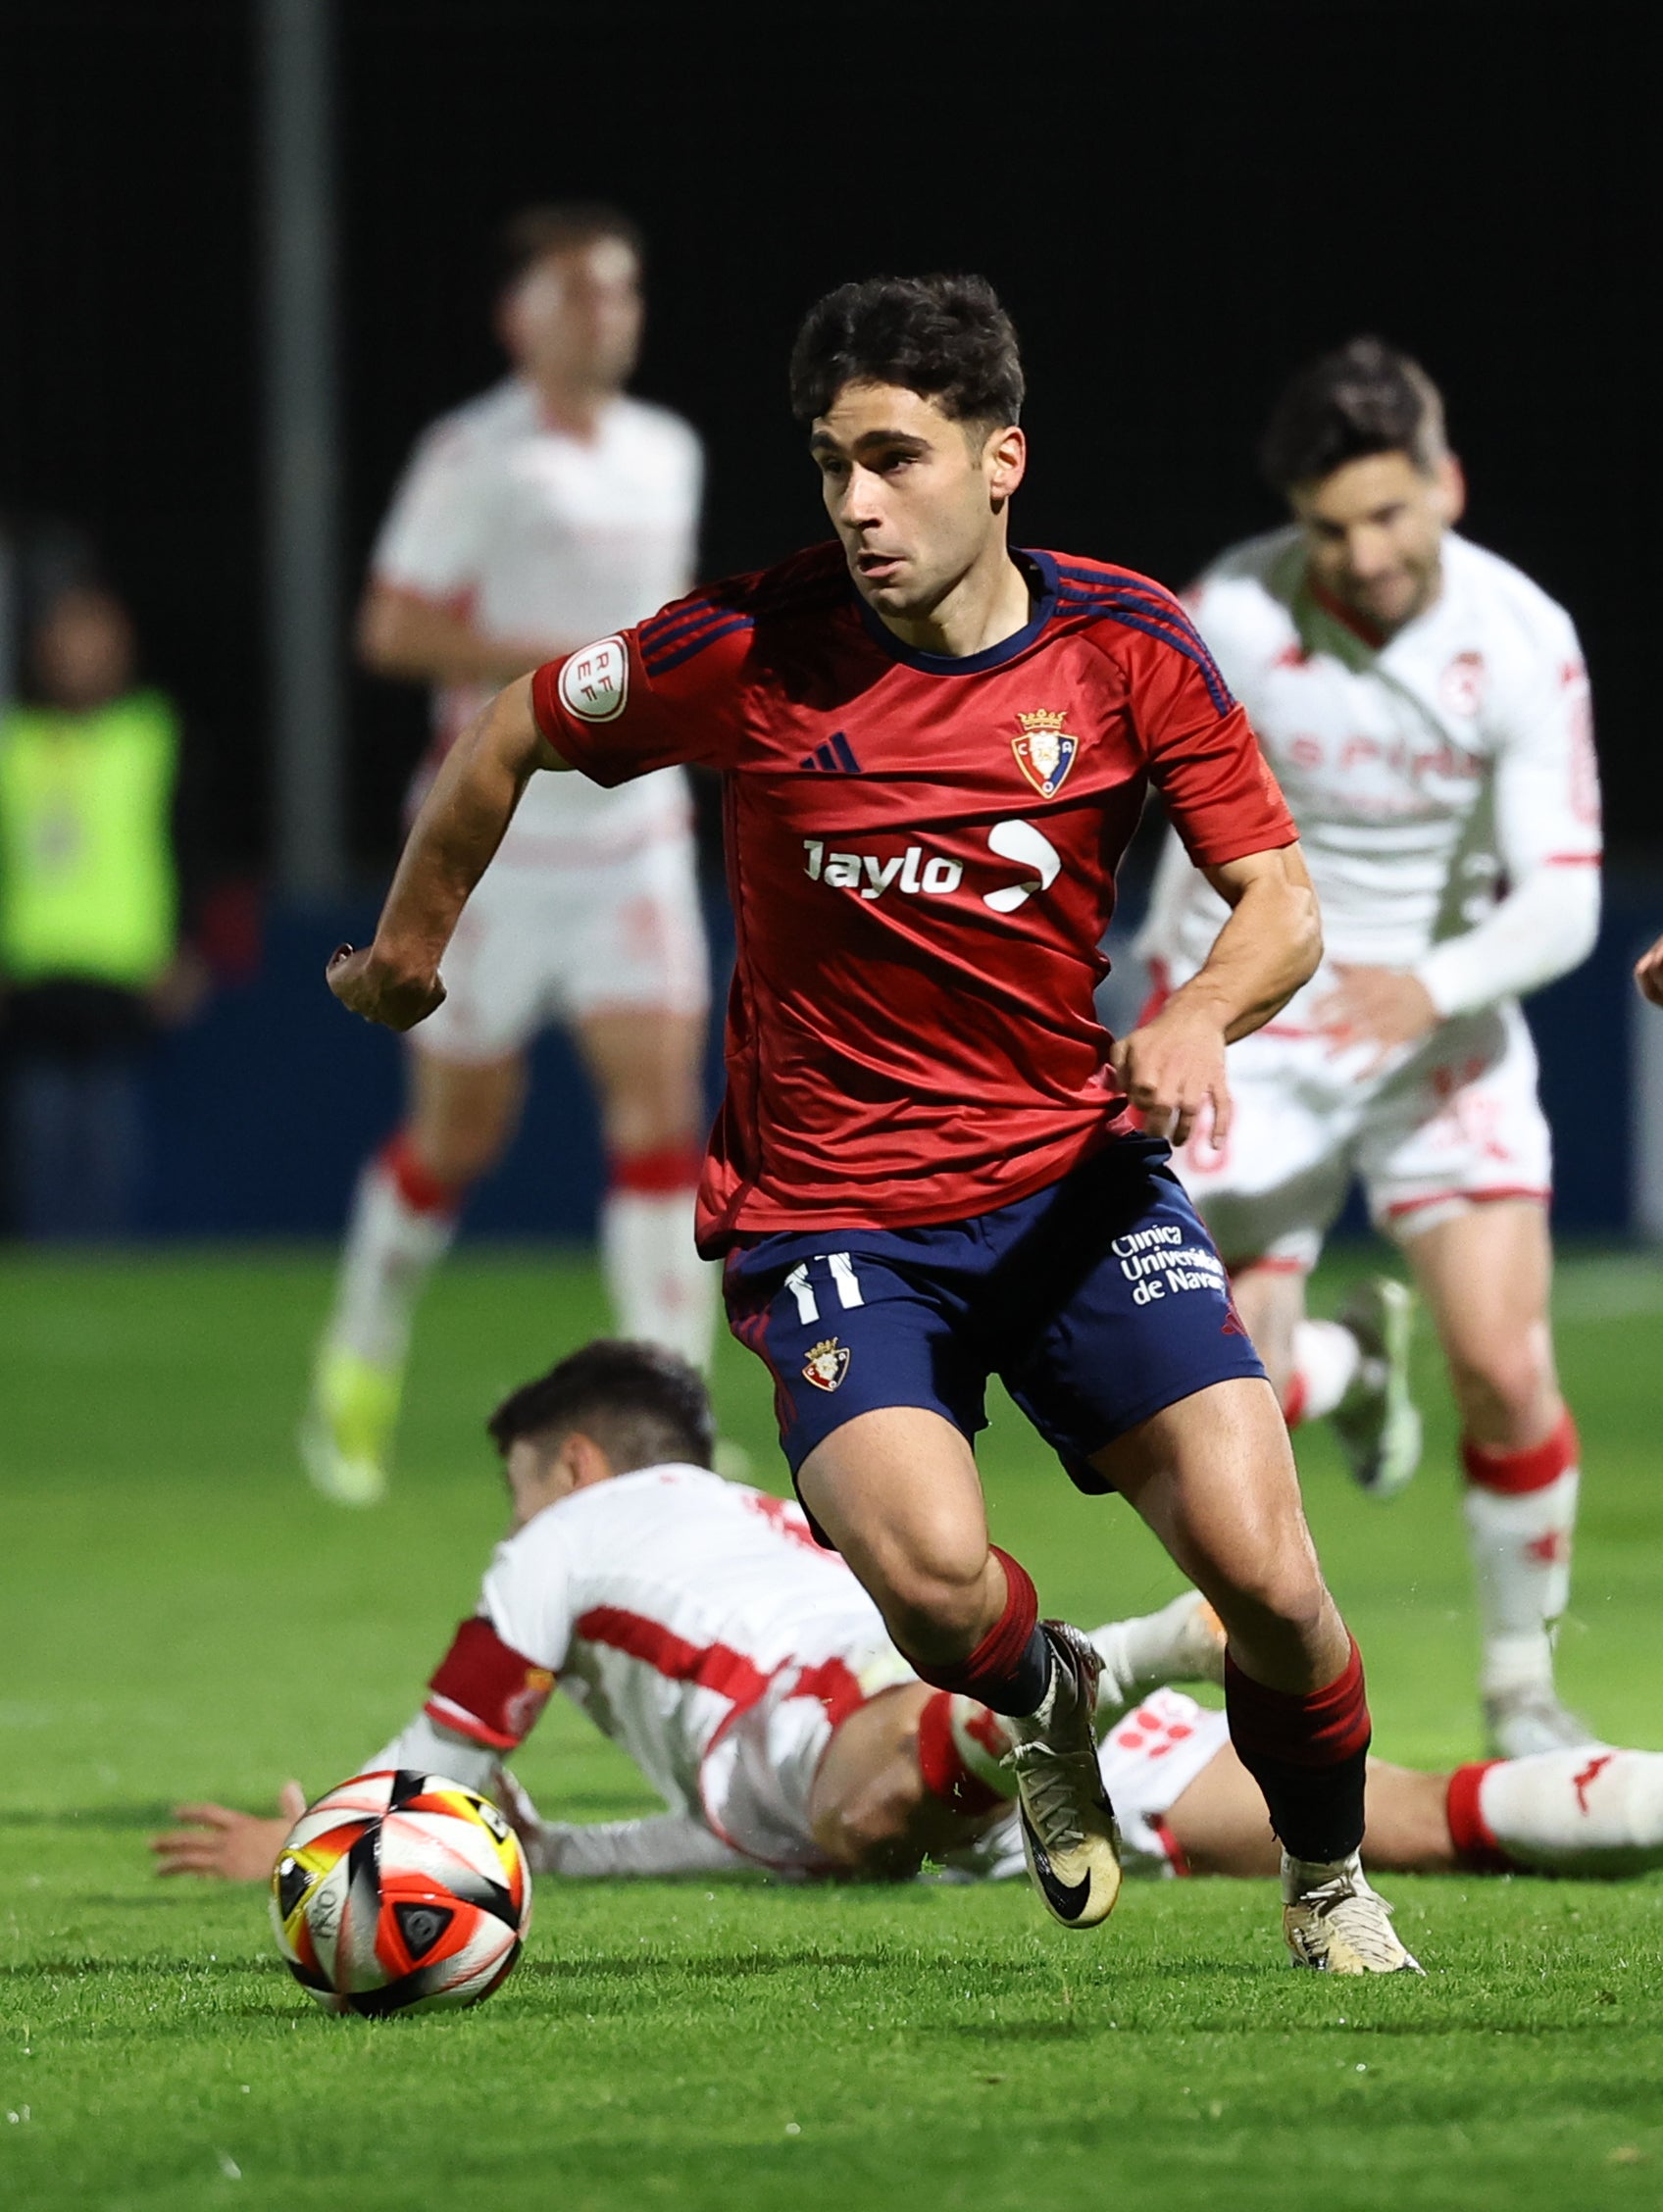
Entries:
{"x":659,"y":1287}
{"x":1182,"y":1642}
{"x":1520,"y":1514}
{"x":392,"y":1249}
{"x":1326,"y":1360}
{"x":1592,"y":1810}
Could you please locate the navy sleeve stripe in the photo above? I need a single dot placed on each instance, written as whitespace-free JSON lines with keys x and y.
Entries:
{"x":665,"y":629}
{"x":1135,"y":589}
{"x":662,"y":661}
{"x":1180,"y":637}
{"x":1157,"y":605}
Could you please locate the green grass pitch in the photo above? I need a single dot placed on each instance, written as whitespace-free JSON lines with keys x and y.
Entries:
{"x":181,"y":1617}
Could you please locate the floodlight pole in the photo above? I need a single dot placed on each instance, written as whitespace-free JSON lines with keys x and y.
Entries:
{"x":302,"y":469}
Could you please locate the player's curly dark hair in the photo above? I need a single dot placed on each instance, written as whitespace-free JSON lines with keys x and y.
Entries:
{"x":640,"y":1402}
{"x":1365,"y":397}
{"x":945,"y":338}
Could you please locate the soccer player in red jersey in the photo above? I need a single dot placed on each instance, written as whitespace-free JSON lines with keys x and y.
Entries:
{"x":927,"y":1168}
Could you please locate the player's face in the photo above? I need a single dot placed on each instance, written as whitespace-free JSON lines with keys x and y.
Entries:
{"x":575,"y":318}
{"x":83,"y":650}
{"x":1374,"y":530}
{"x":916,"y":498}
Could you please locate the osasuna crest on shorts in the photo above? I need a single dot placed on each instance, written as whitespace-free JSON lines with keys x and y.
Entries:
{"x":827,"y":1364}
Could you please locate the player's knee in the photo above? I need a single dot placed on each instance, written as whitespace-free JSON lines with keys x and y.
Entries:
{"x":938,"y":1603}
{"x":1503,"y":1386}
{"x":1286,"y":1600}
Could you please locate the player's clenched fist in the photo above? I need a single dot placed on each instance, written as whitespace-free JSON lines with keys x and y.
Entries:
{"x":1170,"y":1069}
{"x":1648,"y":974}
{"x":367,"y":985}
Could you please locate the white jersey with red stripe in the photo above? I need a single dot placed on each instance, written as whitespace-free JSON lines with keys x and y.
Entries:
{"x":536,"y":536}
{"x":1443,"y":780}
{"x":669,"y":1605}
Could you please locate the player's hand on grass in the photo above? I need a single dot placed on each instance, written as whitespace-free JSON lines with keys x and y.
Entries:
{"x":1379,"y":1006}
{"x":1648,"y":974}
{"x":367,"y":982}
{"x":1172,"y":1068}
{"x":225,"y":1845}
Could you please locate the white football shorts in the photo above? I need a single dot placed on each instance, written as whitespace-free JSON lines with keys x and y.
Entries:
{"x":757,"y":1776}
{"x":1454,"y":1124}
{"x":549,"y":943}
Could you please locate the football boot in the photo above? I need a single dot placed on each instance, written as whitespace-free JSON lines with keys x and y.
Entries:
{"x":346,"y":1435}
{"x":1377,"y":1422}
{"x":1068,"y":1836}
{"x":1335,"y":1922}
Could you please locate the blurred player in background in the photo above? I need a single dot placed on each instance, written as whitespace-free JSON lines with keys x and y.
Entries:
{"x":552,"y":509}
{"x":751,"y":1679}
{"x":1426,"y":709}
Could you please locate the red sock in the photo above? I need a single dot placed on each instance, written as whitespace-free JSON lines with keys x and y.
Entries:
{"x":941,"y":1765}
{"x":1307,"y":1754}
{"x":1474,"y":1846}
{"x":420,"y":1188}
{"x":659,"y":1173}
{"x":1293,"y":1400}
{"x":1515,"y":1474}
{"x":1010,"y":1669}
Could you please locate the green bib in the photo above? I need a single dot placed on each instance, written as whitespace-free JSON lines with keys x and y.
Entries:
{"x":87,"y":888}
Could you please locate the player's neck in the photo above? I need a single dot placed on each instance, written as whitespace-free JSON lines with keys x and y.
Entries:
{"x":576,"y":411}
{"x":989,"y":603}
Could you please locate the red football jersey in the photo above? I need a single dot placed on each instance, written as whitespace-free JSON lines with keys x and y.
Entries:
{"x":921,"y":855}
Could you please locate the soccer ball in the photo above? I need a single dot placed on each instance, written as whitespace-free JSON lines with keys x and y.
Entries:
{"x":400,"y":1892}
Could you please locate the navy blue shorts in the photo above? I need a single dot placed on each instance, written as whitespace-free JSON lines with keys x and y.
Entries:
{"x":1098,"y":1301}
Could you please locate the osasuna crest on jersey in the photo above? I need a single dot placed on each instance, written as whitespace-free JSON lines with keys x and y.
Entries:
{"x":1045,"y":751}
{"x":827,"y":1364}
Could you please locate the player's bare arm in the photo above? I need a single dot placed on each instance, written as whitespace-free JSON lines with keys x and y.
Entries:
{"x":1648,"y":974}
{"x":402,"y":633}
{"x":1174,"y":1065}
{"x":395,"y":980}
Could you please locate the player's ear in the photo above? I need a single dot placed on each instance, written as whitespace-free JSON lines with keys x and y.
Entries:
{"x":1451,"y":490}
{"x":585,"y":1462}
{"x":1004,"y":458}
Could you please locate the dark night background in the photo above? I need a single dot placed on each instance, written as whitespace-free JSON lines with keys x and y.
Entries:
{"x":1178,"y":206}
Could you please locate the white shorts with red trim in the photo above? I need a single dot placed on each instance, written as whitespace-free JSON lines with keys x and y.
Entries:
{"x":541,"y":944}
{"x":758,"y":1775}
{"x":1454,"y":1124}
{"x":1150,"y":1758}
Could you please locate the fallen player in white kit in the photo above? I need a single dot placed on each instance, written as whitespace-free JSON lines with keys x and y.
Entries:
{"x":1425,"y":710}
{"x":748,"y":1675}
{"x":552,"y":509}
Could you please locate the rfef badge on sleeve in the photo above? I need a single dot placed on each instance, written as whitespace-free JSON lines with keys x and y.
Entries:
{"x":594,"y":682}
